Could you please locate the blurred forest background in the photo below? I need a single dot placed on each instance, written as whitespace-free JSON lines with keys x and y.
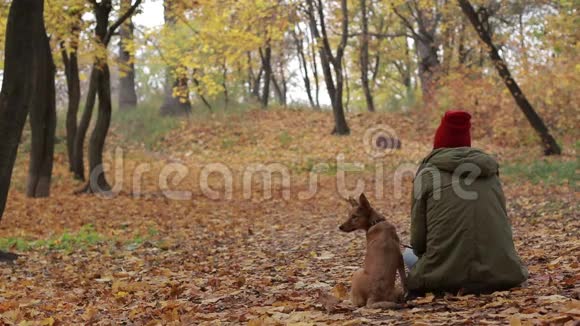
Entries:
{"x":396,"y":56}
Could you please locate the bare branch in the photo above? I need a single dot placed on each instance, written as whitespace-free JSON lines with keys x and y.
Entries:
{"x":325,"y":41}
{"x":120,"y":21}
{"x":186,"y":23}
{"x":407,"y":23}
{"x":344,"y":32}
{"x":155,"y":45}
{"x":382,"y":35}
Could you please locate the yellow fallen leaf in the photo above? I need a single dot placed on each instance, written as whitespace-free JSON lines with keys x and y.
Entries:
{"x":48,"y":321}
{"x":121,"y":294}
{"x":340,"y":291}
{"x":90,"y":314}
{"x":427,"y":299}
{"x":12,"y":315}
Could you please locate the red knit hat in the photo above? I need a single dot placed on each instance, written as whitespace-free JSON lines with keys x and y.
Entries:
{"x":453,"y":130}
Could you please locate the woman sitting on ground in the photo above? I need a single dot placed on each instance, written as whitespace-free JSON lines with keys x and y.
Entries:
{"x":460,"y":232}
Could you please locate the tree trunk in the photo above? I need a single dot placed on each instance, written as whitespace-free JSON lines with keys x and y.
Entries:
{"x":549,"y":143}
{"x":97,"y":181}
{"x":312,"y":48}
{"x":428,"y":65}
{"x":299,"y":42}
{"x":127,"y":93}
{"x":325,"y":56}
{"x":24,"y":28}
{"x":424,"y":37}
{"x":257,"y":81}
{"x":250,"y":73}
{"x":523,"y":48}
{"x":279,"y":90}
{"x":327,"y":59}
{"x":73,"y":82}
{"x":364,"y":57}
{"x":254,"y":79}
{"x":101,"y":85}
{"x":197,"y":84}
{"x":376,"y":68}
{"x":448,"y":46}
{"x":78,"y":152}
{"x":99,"y":80}
{"x":347,"y":88}
{"x":225,"y":84}
{"x":176,"y":100}
{"x":283,"y":85}
{"x":266,"y":57}
{"x":42,"y":121}
{"x":407,"y":71}
{"x":462,"y":51}
{"x":341,"y":128}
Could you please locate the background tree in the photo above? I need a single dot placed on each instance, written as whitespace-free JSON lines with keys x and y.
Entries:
{"x":422,"y":21}
{"x":100,"y":85}
{"x":26,"y":71}
{"x":229,"y":49}
{"x":64,"y":20}
{"x":364,"y":56}
{"x":225,"y":54}
{"x":549,"y":143}
{"x":127,"y":91}
{"x":176,"y":99}
{"x":299,"y":40}
{"x":329,"y":61}
{"x":42,"y":118}
{"x":266,"y":57}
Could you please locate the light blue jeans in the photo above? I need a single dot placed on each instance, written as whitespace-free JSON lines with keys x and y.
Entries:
{"x":409,"y":258}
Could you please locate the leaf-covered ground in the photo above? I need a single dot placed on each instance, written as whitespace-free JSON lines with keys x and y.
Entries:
{"x":152,"y":260}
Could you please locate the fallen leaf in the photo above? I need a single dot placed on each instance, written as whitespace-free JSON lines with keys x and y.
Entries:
{"x":428,"y":298}
{"x":328,"y":301}
{"x":340,"y":291}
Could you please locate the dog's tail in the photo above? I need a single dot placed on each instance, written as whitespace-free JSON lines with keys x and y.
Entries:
{"x":385,"y":305}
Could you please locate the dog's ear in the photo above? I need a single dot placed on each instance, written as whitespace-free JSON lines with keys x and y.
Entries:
{"x":364,"y":202}
{"x":352,"y":202}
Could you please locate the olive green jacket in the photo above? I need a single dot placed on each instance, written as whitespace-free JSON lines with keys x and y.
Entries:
{"x":459,"y":227}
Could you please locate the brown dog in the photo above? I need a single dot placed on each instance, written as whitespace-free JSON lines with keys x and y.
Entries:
{"x":374,"y":284}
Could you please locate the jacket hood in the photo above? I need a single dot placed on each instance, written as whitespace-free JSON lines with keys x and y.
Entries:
{"x":449,"y":159}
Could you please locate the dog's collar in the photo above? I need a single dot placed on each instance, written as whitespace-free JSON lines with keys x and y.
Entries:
{"x":375,"y":222}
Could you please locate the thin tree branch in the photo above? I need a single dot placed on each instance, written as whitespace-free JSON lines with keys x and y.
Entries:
{"x":325,"y":41}
{"x":344,"y":31}
{"x":407,"y":23}
{"x":155,"y":45}
{"x":120,"y":21}
{"x":381,"y":35}
{"x":184,"y":21}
